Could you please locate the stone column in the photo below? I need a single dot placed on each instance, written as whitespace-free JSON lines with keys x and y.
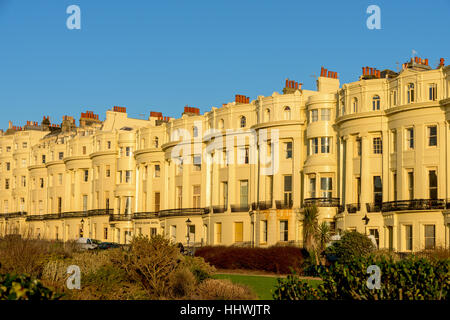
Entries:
{"x":365,"y":172}
{"x":349,"y":198}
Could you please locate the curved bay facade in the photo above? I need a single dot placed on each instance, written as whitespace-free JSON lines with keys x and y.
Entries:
{"x":372,"y":155}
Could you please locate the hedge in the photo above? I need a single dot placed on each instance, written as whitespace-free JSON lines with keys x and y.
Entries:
{"x":277,"y":259}
{"x":412,"y":278}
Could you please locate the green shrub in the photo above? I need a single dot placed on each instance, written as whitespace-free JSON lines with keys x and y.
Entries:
{"x":352,"y":244}
{"x":150,"y":262}
{"x":23,"y":287}
{"x":198,"y":267}
{"x":413,"y":278}
{"x":293,"y":288}
{"x":182,"y":283}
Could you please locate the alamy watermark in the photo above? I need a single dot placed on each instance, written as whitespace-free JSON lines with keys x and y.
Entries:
{"x":74,"y":279}
{"x":374,"y":20}
{"x":374,"y":281}
{"x":243,"y":146}
{"x":74,"y":20}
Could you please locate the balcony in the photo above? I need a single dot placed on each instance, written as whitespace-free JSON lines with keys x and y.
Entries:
{"x":240,"y":207}
{"x":13,"y":215}
{"x":121,"y":217}
{"x":41,"y":217}
{"x":262,"y":205}
{"x":283,"y":204}
{"x":373,"y":207}
{"x":219,"y":209}
{"x":353,"y":207}
{"x":322,"y":202}
{"x":183,"y":212}
{"x":415,"y":204}
{"x":100,"y":212}
{"x":145,"y":215}
{"x":74,"y":214}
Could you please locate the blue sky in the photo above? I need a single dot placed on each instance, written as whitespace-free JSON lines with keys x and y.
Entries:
{"x":163,"y":55}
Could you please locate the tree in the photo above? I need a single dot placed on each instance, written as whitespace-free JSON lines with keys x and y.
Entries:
{"x":310,"y":227}
{"x":352,"y":244}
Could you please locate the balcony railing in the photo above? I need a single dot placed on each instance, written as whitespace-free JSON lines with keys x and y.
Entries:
{"x":262,"y":205}
{"x":353,"y":207}
{"x":240,"y":207}
{"x":219,"y":209}
{"x":121,"y":217}
{"x":100,"y":212}
{"x":415,"y":204}
{"x":373,"y":207}
{"x":13,"y":215}
{"x":145,"y":215}
{"x":322,"y":202}
{"x":283,"y":205}
{"x":183,"y":212}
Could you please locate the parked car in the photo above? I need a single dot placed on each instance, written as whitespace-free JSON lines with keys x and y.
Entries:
{"x":86,"y":243}
{"x":108,"y":245}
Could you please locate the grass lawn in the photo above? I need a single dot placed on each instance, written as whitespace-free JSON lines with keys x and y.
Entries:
{"x":261,"y":285}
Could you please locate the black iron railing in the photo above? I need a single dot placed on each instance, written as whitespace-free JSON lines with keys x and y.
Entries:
{"x":145,"y":215}
{"x":100,"y":212}
{"x":74,"y":214}
{"x":262,"y":205}
{"x":415,"y":204}
{"x":121,"y":217}
{"x":280,"y":204}
{"x":353,"y":207}
{"x":13,"y":215}
{"x":322,"y":202}
{"x":183,"y":212}
{"x":240,"y":207}
{"x":219,"y":209}
{"x":373,"y":207}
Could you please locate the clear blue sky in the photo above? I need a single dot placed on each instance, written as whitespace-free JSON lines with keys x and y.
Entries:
{"x":162,"y":55}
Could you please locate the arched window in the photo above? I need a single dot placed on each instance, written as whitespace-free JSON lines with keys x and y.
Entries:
{"x":355,"y":105}
{"x":156,"y":142}
{"x":221,"y":124}
{"x":342,"y":106}
{"x":376,"y":102}
{"x":410,"y":92}
{"x":195,"y":132}
{"x":243,"y":122}
{"x":267,"y":115}
{"x":287,"y":113}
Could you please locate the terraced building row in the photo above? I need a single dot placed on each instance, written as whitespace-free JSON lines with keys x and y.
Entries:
{"x":373,"y":155}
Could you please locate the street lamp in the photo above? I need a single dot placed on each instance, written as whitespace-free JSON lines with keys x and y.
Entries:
{"x":188,"y":223}
{"x":82,"y":228}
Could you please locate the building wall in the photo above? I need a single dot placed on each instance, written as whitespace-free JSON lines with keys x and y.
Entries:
{"x":262,"y":162}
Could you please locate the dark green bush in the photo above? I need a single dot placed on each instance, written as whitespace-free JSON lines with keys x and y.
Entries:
{"x":23,"y":287}
{"x":413,"y":278}
{"x":352,"y":244}
{"x":292,"y":288}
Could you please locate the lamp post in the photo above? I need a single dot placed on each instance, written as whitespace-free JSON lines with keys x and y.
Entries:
{"x":188,"y":223}
{"x":82,"y":228}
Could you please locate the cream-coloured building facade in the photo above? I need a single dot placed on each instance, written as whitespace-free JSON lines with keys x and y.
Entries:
{"x":373,"y":155}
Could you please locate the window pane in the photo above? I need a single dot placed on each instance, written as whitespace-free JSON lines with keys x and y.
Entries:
{"x":287,"y":183}
{"x":432,"y":136}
